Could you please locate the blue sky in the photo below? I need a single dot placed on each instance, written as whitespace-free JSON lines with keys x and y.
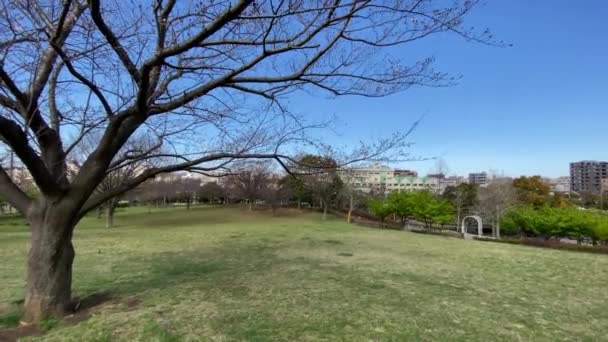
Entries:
{"x":527,"y":109}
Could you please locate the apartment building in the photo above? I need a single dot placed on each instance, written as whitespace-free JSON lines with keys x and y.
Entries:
{"x":479,"y":178}
{"x":605,"y":186}
{"x":587,"y":176}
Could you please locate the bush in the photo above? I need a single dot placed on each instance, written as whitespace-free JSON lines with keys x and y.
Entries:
{"x":421,"y":205}
{"x":380,"y":209}
{"x":548,"y":222}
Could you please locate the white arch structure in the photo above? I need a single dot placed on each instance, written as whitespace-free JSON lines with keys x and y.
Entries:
{"x":479,"y":226}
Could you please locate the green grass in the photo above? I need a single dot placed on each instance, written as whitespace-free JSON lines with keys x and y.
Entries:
{"x":229,"y":275}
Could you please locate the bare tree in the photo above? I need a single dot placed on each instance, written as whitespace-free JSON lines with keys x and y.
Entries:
{"x":250,"y":181}
{"x":463,"y":197}
{"x":494,"y":200}
{"x":277,"y":193}
{"x":440,"y":167}
{"x":188,"y":73}
{"x":349,"y":191}
{"x":185,"y":189}
{"x":120,"y":176}
{"x":211,"y":191}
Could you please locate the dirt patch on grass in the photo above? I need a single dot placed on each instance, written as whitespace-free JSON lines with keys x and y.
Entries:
{"x":14,"y":334}
{"x":84,"y":308}
{"x":4,"y":308}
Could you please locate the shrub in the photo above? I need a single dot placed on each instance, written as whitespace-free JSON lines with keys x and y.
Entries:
{"x":551,"y":222}
{"x":380,"y":209}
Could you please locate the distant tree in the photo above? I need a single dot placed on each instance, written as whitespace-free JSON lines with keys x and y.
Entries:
{"x":589,"y":200}
{"x":211,"y":192}
{"x":298,"y":189}
{"x":532,"y":191}
{"x":111,"y":181}
{"x":441,"y":167}
{"x":463,"y":197}
{"x":119,"y":176}
{"x":185,"y":188}
{"x":403,"y":205}
{"x":380,"y":208}
{"x":430,"y":209}
{"x":559,"y":200}
{"x":351,"y":195}
{"x":321,"y":179}
{"x":250,"y":180}
{"x":493,"y":201}
{"x":277,"y":193}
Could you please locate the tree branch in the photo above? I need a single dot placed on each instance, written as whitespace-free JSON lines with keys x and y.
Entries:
{"x":16,"y":138}
{"x":13,"y":194}
{"x":122,"y":54}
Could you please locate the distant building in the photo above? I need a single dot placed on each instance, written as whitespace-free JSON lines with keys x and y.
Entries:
{"x":383,"y":179}
{"x":436,"y":175}
{"x":587,"y":176}
{"x":560,"y":184}
{"x":479,"y":178}
{"x":174,"y":176}
{"x":445,"y":181}
{"x":453,"y":181}
{"x":605,"y":186}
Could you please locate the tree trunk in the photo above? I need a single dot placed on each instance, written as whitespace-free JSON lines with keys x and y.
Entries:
{"x":324,"y":217}
{"x":110,"y":209}
{"x":497,"y":229}
{"x":350,"y":209}
{"x":250,"y":205}
{"x":49,"y":266}
{"x":458,"y":218}
{"x":188,"y":204}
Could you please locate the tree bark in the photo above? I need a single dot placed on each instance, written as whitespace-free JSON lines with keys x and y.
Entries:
{"x":49,"y":265}
{"x":110,"y":209}
{"x":324,"y":217}
{"x":497,"y":229}
{"x":458,"y":217}
{"x":350,"y":209}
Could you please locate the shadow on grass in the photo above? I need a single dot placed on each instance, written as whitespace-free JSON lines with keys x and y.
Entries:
{"x":168,"y":218}
{"x":207,"y":269}
{"x":228,"y":270}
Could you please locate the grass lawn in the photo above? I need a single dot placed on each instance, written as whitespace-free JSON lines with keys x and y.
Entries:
{"x":228,"y":275}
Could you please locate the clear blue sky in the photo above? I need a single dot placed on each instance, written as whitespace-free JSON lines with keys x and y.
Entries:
{"x":527,"y":109}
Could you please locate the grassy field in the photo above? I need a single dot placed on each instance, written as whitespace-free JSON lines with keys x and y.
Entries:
{"x":228,"y":275}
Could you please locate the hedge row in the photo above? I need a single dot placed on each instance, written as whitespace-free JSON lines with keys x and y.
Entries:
{"x":557,"y":223}
{"x":553,"y":244}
